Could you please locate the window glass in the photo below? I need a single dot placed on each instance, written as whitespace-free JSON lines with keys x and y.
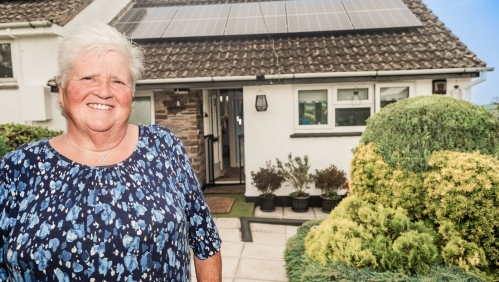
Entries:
{"x":391,"y":95}
{"x":5,"y":61}
{"x":312,"y":107}
{"x":353,"y":94}
{"x":352,"y":116}
{"x":141,"y":114}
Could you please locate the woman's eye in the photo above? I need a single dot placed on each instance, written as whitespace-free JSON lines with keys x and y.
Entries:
{"x":86,"y":78}
{"x":119,"y":82}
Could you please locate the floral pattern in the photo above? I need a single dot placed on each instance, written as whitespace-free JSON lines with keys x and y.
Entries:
{"x":133,"y":221}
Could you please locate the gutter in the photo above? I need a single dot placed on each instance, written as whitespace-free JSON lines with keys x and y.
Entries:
{"x":32,"y":24}
{"x":482,"y":70}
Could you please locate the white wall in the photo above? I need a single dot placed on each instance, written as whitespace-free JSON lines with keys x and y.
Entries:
{"x":35,"y":60}
{"x":267,"y":134}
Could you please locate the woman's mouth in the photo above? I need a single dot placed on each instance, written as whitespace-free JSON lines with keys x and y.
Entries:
{"x":99,"y":106}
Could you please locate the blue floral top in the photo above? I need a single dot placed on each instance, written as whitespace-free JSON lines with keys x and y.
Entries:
{"x":133,"y":221}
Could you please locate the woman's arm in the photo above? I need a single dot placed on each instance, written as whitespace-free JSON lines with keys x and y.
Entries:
{"x":210,"y":269}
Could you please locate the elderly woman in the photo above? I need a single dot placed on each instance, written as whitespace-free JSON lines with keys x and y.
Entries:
{"x":108,"y":201}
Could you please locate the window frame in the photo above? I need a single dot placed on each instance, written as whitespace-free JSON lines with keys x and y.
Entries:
{"x":369,"y":103}
{"x":378,"y":87}
{"x":150,"y":94}
{"x":13,"y":56}
{"x":311,"y":127}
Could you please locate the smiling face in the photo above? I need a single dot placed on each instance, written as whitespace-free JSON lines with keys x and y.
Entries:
{"x":98,"y":95}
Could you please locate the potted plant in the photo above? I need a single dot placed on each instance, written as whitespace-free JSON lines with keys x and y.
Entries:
{"x":295,"y":171}
{"x":267,"y":180}
{"x":330,"y":181}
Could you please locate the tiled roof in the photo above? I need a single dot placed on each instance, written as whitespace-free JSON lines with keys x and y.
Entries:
{"x":57,"y":11}
{"x":431,"y":46}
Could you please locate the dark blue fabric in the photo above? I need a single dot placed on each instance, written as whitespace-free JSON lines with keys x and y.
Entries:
{"x":133,"y":221}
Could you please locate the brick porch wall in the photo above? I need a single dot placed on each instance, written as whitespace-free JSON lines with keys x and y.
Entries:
{"x":184,"y":124}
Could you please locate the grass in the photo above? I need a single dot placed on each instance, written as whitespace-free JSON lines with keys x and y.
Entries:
{"x":239,"y":208}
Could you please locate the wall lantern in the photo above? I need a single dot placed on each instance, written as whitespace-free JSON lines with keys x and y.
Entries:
{"x":261,"y":103}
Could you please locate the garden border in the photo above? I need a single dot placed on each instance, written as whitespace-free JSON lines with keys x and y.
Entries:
{"x":245,"y":224}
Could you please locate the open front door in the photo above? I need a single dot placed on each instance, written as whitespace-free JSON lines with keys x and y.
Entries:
{"x":213,"y":142}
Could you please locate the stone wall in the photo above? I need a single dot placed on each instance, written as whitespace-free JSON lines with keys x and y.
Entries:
{"x":186,"y":122}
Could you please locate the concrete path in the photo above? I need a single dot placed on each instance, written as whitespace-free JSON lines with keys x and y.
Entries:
{"x":263,"y":259}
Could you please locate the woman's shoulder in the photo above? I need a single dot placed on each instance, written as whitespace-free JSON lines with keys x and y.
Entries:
{"x":157,"y":133}
{"x":26,"y":151}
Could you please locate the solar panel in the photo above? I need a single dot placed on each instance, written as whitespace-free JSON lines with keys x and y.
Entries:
{"x":246,"y":18}
{"x":200,"y":20}
{"x":317,"y":15}
{"x":369,"y":14}
{"x":146,"y":22}
{"x":288,"y":16}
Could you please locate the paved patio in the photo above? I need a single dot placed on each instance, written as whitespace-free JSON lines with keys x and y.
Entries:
{"x":263,"y":259}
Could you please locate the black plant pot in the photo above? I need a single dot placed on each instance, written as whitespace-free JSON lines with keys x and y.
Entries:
{"x":267,"y":205}
{"x":329,"y":204}
{"x":299,"y":204}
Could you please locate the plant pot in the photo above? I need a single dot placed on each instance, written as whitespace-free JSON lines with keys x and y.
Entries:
{"x":329,"y":204}
{"x":299,"y":204}
{"x":267,"y":205}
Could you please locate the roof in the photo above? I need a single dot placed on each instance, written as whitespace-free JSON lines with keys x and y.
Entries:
{"x":58,"y":11}
{"x":431,"y":46}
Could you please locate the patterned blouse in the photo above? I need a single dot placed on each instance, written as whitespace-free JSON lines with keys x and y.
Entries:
{"x":133,"y":221}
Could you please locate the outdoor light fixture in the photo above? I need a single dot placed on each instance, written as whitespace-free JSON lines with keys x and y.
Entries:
{"x":261,"y":103}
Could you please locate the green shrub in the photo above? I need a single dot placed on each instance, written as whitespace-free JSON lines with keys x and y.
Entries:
{"x":18,"y":134}
{"x":364,"y":235}
{"x":3,"y":146}
{"x":463,"y":189}
{"x":407,"y":132}
{"x":301,"y":268}
{"x":459,"y":192}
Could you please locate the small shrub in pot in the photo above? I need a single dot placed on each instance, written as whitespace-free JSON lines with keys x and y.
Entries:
{"x":267,"y":180}
{"x":295,"y":171}
{"x":330,"y":180}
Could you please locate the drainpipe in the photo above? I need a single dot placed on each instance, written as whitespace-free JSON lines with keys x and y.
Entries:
{"x":482,"y":78}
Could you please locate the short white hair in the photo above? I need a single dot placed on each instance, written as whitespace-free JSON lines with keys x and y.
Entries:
{"x":99,"y":38}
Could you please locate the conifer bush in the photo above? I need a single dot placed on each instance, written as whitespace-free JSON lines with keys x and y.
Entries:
{"x":300,"y":267}
{"x":407,"y":132}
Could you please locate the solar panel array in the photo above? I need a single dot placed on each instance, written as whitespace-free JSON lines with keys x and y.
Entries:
{"x":290,"y":16}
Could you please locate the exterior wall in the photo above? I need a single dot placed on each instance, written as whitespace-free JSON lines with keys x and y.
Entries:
{"x":35,"y":61}
{"x":267,"y":134}
{"x":186,"y":124}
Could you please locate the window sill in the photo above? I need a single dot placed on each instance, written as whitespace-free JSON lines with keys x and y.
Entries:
{"x":325,"y":134}
{"x":9,"y":86}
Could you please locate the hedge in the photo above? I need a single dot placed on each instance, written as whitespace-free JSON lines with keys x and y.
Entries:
{"x":18,"y":134}
{"x":407,"y":132}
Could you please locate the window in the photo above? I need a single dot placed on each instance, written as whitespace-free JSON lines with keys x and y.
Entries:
{"x":353,"y":105}
{"x":143,"y":109}
{"x":390,"y":93}
{"x":343,"y":108}
{"x":312,"y":107}
{"x":6,"y":70}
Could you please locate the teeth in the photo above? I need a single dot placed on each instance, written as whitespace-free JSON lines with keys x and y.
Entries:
{"x":99,"y":106}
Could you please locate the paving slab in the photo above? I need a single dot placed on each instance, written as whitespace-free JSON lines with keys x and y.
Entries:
{"x":232,"y":249}
{"x":260,"y":269}
{"x":263,"y":251}
{"x":278,"y":213}
{"x":224,"y":223}
{"x":319,"y":214}
{"x":229,"y":235}
{"x":288,"y":213}
{"x":274,"y":239}
{"x":267,"y":228}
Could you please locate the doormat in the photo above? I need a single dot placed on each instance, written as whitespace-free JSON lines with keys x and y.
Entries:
{"x":219,"y":204}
